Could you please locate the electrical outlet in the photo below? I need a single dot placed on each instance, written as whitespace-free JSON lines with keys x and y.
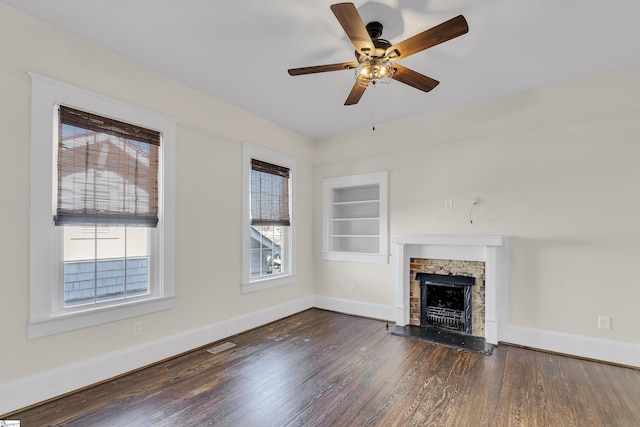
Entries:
{"x":448,"y":205}
{"x":137,"y":328}
{"x":604,"y":322}
{"x":353,"y":290}
{"x":476,"y":200}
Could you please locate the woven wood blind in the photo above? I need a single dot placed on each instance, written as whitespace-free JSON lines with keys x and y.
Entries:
{"x":269,"y":194}
{"x":107,"y":171}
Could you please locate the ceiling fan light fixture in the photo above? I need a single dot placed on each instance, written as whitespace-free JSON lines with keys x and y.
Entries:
{"x":373,"y":71}
{"x":376,"y":57}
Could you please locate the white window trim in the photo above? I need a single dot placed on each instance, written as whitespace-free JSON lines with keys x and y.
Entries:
{"x":45,"y":241}
{"x":288,"y":277}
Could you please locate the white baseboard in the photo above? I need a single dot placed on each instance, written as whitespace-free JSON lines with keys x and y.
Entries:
{"x":36,"y":388}
{"x":575,"y":345}
{"x":356,"y":308}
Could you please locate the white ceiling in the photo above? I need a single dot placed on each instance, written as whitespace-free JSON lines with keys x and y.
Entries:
{"x":239,"y":51}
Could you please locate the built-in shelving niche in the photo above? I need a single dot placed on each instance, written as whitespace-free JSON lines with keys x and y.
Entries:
{"x":355,"y":218}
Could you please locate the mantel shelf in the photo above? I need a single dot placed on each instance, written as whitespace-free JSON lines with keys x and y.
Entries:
{"x":434,"y":239}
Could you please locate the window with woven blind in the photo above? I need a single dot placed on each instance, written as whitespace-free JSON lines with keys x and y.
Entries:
{"x":107,"y":171}
{"x":268,"y":215}
{"x":102,"y":209}
{"x":269,"y":194}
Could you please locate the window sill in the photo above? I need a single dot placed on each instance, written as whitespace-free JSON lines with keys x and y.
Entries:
{"x":268,"y":283}
{"x":92,"y":317}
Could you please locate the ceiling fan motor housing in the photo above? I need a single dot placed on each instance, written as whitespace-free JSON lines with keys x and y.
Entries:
{"x":374,"y":29}
{"x":379,"y":51}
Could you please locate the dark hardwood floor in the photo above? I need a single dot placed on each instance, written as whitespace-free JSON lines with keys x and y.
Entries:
{"x":319,"y":368}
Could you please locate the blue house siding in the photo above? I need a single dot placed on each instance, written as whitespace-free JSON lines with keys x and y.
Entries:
{"x":85,"y":281}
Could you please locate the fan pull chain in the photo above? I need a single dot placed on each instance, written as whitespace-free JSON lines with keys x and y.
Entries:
{"x":372,"y":110}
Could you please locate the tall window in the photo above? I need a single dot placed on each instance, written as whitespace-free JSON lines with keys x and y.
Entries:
{"x":107,"y":200}
{"x":269,"y":216}
{"x":267,"y":254}
{"x":102,"y":210}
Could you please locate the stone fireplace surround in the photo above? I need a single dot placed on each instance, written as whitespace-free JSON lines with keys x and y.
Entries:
{"x":492,"y":250}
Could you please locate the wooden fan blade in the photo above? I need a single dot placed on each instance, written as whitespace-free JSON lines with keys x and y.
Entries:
{"x":322,"y":68}
{"x":440,"y":33}
{"x":348,"y":16}
{"x":413,"y":78}
{"x":355,"y":94}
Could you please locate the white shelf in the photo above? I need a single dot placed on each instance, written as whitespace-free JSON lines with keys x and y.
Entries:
{"x":355,"y":202}
{"x":355,"y":218}
{"x":356,"y":235}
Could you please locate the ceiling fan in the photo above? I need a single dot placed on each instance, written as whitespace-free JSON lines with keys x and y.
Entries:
{"x":376,"y":57}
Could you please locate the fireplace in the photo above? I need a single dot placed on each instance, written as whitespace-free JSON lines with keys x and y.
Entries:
{"x":493,"y":251}
{"x":446,"y":301}
{"x":458,"y":275}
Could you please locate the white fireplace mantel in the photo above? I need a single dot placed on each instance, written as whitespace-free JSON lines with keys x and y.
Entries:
{"x":492,"y":250}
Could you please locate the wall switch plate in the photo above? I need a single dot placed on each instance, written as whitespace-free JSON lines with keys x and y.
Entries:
{"x":604,"y":322}
{"x":448,"y":205}
{"x":353,"y":290}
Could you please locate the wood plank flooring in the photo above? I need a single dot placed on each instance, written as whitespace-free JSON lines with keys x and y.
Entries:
{"x":319,"y":368}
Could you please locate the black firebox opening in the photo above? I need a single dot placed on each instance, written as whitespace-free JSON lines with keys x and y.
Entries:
{"x":445,"y":297}
{"x":446,"y":301}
